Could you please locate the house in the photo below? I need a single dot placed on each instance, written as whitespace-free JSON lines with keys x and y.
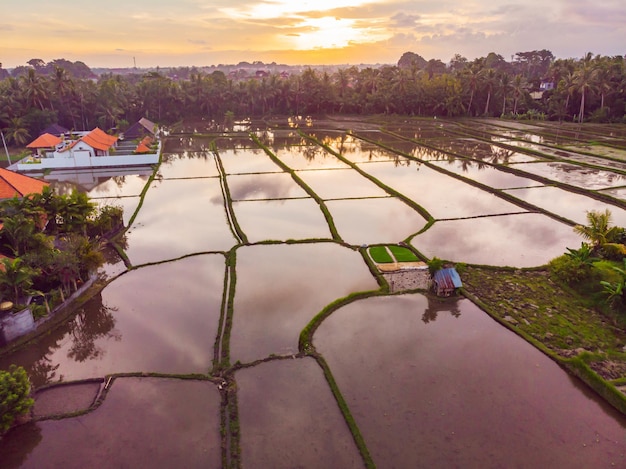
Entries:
{"x":95,"y":143}
{"x":140,"y":129}
{"x":94,"y":149}
{"x":44,"y":143}
{"x":55,"y":129}
{"x":446,"y":281}
{"x":17,"y":185}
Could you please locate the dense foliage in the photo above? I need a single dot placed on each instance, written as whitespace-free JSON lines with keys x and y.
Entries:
{"x":591,"y":88}
{"x":51,"y":242}
{"x":15,"y":397}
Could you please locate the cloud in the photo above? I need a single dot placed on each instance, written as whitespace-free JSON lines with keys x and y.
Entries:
{"x":402,"y":20}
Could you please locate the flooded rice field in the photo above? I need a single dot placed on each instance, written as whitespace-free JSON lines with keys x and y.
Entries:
{"x":238,"y":245}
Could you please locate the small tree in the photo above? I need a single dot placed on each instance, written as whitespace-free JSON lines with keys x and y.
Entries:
{"x":15,"y":397}
{"x":434,"y":265}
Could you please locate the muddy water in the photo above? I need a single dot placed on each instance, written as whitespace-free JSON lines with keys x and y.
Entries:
{"x":487,"y":175}
{"x":186,"y":165}
{"x":281,"y":220}
{"x":280,"y":288}
{"x":248,"y":161}
{"x":177,"y":218}
{"x":520,"y":240}
{"x":441,"y":195}
{"x":579,"y":176}
{"x":568,"y":204}
{"x":264,"y":186}
{"x":370,"y":221}
{"x":125,"y":329}
{"x":144,"y":422}
{"x":443,"y":385}
{"x":309,"y":157}
{"x":341,"y":184}
{"x":285,"y":403}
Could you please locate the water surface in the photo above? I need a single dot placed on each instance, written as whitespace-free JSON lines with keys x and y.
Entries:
{"x":521,"y":240}
{"x":417,"y":388}
{"x":280,"y":288}
{"x":144,"y":422}
{"x":291,"y":419}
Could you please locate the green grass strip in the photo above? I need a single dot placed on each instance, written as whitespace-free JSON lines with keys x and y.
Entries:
{"x":402,"y":254}
{"x":347,"y":415}
{"x":228,"y":202}
{"x":380,"y":255}
{"x":389,"y":190}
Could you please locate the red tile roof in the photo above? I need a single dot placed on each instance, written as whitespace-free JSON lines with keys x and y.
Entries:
{"x":142,"y":148}
{"x":44,"y":141}
{"x":99,"y":140}
{"x":14,"y":184}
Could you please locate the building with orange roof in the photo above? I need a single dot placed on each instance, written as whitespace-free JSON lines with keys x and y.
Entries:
{"x":17,"y":185}
{"x":97,"y":143}
{"x":94,"y":149}
{"x":44,"y":142}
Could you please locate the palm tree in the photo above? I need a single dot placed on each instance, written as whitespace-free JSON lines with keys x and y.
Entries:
{"x":490,"y":81}
{"x":598,"y":230}
{"x":518,"y":86}
{"x":584,"y":81}
{"x":505,"y":87}
{"x":34,"y":89}
{"x":16,"y":132}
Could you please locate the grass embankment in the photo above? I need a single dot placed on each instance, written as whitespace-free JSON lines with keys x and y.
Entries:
{"x":557,"y":320}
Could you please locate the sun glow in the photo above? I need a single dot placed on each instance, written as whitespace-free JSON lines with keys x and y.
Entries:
{"x":326,"y":33}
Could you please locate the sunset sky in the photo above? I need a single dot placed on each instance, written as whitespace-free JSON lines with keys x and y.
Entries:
{"x":202,"y":32}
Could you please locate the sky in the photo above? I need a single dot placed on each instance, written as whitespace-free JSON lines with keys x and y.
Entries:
{"x":167,"y":33}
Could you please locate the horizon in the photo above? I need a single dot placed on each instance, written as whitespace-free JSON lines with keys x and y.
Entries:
{"x":342,"y":32}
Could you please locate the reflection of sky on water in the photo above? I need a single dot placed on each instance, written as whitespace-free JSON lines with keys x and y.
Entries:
{"x":441,"y":195}
{"x":188,"y":165}
{"x":247,"y":161}
{"x":470,"y":392}
{"x":567,"y":204}
{"x":142,"y":327}
{"x":179,"y":217}
{"x":579,"y":176}
{"x":264,"y":186}
{"x":291,"y":418}
{"x":340,"y":184}
{"x":280,"y":288}
{"x":522,"y":240}
{"x":371,"y":221}
{"x":168,"y":434}
{"x":309,"y":157}
{"x":281,"y":220}
{"x":487,"y":175}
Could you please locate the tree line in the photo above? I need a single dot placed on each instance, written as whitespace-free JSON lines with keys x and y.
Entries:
{"x":592,"y":88}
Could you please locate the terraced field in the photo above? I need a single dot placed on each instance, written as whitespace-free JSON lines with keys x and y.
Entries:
{"x":242,"y":323}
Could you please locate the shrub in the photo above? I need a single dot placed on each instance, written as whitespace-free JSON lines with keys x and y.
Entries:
{"x":569,"y":269}
{"x":434,"y":265}
{"x":15,"y":397}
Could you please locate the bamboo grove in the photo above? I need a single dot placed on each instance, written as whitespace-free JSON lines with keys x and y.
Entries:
{"x":592,"y":88}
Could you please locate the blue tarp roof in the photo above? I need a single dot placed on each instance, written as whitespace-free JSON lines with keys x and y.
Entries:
{"x":448,"y":278}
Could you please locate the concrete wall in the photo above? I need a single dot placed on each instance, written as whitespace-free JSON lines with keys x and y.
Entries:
{"x":92,"y":162}
{"x":16,"y":325}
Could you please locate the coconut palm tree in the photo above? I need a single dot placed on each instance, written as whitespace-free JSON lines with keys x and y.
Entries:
{"x":598,"y":229}
{"x":584,"y":82}
{"x":17,"y":132}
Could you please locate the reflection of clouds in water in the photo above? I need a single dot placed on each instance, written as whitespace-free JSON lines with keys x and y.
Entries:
{"x":264,"y":186}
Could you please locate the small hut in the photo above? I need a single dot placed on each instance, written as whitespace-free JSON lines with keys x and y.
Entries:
{"x":446,"y":281}
{"x":43,"y":143}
